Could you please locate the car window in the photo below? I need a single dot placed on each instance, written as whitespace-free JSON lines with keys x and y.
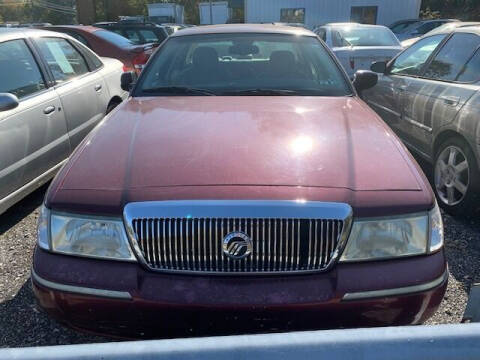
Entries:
{"x":113,"y":38}
{"x":322,"y":34}
{"x":117,"y":31}
{"x":133,"y":36}
{"x":226,"y":63}
{"x":471,"y":71}
{"x":399,"y":28}
{"x":423,"y":29}
{"x":92,"y":58}
{"x":149,"y":36}
{"x":338,"y":40}
{"x":19,"y":72}
{"x":412,"y":60}
{"x":369,"y":36}
{"x":451,"y":59}
{"x":64,"y":60}
{"x":78,"y":37}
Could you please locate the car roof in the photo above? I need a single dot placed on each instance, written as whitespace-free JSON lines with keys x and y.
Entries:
{"x":468,"y":29}
{"x":451,"y":27}
{"x":437,"y":20}
{"x":86,"y":28}
{"x":341,"y":24}
{"x":126,"y":24}
{"x":354,"y":25}
{"x":243,"y":28}
{"x":19,"y":33}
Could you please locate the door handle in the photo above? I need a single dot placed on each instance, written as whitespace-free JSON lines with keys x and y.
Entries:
{"x":49,"y":110}
{"x":98,"y":87}
{"x":451,"y":100}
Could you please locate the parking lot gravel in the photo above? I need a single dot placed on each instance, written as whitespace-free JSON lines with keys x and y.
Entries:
{"x":23,"y":324}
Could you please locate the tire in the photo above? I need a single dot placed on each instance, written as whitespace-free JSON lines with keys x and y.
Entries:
{"x":111,"y":106}
{"x":456,"y":177}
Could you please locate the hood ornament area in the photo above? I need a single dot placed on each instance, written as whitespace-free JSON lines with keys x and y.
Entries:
{"x":237,"y":245}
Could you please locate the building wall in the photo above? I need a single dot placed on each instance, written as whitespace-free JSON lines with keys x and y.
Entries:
{"x":324,"y":11}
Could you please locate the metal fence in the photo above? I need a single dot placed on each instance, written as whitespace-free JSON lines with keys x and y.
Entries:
{"x":444,"y":342}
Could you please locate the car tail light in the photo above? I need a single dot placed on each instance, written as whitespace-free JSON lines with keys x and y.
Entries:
{"x":139,"y":61}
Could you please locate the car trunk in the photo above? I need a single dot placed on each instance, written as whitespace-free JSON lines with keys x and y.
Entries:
{"x":363,"y":56}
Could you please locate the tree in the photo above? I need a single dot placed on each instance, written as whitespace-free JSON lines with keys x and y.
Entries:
{"x":36,"y":11}
{"x":460,"y":9}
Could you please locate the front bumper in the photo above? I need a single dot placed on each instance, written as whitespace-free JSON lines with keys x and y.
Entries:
{"x":123,"y":299}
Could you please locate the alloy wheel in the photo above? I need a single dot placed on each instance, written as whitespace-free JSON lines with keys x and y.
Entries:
{"x":452,"y":175}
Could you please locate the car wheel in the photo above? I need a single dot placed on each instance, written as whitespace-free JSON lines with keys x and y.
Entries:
{"x":456,"y":177}
{"x":112,"y":105}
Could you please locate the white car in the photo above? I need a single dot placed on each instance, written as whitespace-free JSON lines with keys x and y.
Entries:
{"x":357,"y":46}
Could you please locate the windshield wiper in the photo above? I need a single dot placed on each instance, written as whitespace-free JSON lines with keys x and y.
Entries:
{"x":254,"y":92}
{"x":179,"y":90}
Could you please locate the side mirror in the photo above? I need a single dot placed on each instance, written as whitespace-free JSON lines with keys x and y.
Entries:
{"x":364,"y":80}
{"x":128,"y":80}
{"x":8,"y":101}
{"x":380,"y":67}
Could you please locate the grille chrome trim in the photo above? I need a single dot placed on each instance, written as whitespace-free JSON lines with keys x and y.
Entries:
{"x":199,"y":218}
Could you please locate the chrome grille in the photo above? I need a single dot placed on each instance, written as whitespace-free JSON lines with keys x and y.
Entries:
{"x":194,"y":244}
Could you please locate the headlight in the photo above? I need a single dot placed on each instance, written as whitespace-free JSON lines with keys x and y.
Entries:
{"x":43,"y":227}
{"x":395,"y":237}
{"x":436,"y":229}
{"x":84,"y":236}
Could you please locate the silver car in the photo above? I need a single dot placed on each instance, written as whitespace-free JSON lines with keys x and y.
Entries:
{"x":430,"y":96}
{"x":53,"y":91}
{"x":357,"y":45}
{"x":421,"y":28}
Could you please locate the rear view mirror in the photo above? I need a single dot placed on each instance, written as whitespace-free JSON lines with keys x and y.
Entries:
{"x":128,"y":80}
{"x":379,"y":67}
{"x":364,"y":80}
{"x":8,"y":101}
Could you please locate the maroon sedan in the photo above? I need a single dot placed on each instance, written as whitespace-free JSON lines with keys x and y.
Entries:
{"x":242,"y":187}
{"x":109,"y":44}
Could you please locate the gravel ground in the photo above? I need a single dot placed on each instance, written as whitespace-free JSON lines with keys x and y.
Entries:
{"x":22,"y":324}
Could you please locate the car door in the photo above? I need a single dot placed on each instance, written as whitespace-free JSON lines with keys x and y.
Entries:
{"x":81,"y":91}
{"x":387,"y":97}
{"x":33,"y":136}
{"x":434,"y":99}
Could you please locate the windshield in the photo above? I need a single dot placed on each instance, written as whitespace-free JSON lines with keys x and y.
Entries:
{"x":369,"y":36}
{"x":236,"y":64}
{"x":114,"y":38}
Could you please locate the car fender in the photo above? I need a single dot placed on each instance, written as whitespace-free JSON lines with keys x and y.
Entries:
{"x":112,"y":72}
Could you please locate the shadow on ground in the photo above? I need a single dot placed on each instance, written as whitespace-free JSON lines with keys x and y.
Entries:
{"x":19,"y":211}
{"x":462,"y":240}
{"x":23,"y":324}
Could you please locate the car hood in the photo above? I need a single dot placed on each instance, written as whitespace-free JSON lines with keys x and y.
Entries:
{"x":242,"y":141}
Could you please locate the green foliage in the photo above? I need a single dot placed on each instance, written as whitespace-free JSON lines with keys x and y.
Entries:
{"x":467,"y":10}
{"x":29,"y":13}
{"x":428,"y":14}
